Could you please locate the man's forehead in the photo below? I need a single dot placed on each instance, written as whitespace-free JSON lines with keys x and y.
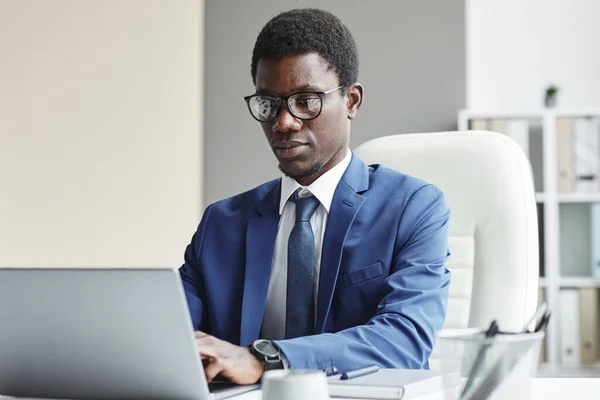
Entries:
{"x":296,"y":72}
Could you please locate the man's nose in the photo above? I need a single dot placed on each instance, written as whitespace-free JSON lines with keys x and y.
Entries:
{"x":286,"y":122}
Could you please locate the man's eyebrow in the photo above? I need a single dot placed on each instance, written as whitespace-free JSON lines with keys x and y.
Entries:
{"x":306,"y":88}
{"x":262,"y":91}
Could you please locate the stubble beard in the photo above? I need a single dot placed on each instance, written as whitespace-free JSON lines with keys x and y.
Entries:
{"x":315,"y":169}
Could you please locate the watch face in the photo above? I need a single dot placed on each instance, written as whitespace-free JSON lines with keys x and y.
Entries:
{"x":266,"y":348}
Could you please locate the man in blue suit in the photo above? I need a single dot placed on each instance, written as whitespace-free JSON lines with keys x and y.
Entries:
{"x":335,"y":264}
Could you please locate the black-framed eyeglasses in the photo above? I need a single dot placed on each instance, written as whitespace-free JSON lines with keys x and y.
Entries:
{"x":302,"y":105}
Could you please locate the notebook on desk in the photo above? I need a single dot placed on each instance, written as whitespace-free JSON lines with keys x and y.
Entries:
{"x":393,"y":384}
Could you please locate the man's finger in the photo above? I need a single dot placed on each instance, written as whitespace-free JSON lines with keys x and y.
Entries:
{"x":207,"y":340}
{"x":212,"y":370}
{"x":199,"y":334}
{"x":206,"y":351}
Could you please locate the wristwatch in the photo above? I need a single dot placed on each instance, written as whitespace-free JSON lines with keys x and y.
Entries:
{"x":266,"y":351}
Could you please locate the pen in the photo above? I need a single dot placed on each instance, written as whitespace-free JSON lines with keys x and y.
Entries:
{"x":539,"y":312}
{"x":360,"y":372}
{"x":468,"y":388}
{"x":543,"y":322}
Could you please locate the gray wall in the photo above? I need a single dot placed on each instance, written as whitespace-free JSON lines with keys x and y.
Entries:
{"x":412,"y":65}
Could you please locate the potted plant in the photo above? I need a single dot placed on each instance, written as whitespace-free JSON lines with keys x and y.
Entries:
{"x":550,"y":99}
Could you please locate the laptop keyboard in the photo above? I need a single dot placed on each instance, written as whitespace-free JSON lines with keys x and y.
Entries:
{"x":216,"y":387}
{"x":223,"y":390}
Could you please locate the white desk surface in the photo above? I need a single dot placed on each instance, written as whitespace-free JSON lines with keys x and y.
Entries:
{"x":543,"y":389}
{"x":566,"y":388}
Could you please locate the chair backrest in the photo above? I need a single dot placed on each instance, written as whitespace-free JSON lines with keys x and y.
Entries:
{"x":488,"y":183}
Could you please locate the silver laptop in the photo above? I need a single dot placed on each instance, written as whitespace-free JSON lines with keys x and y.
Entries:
{"x":99,"y":334}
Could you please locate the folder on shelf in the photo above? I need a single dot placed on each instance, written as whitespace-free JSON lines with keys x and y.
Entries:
{"x":497,"y":125}
{"x":595,"y":239}
{"x":541,"y":239}
{"x":542,"y":299}
{"x":516,"y":129}
{"x":586,"y":153}
{"x":588,"y":303}
{"x":479,"y":124}
{"x":564,"y":128}
{"x":569,"y":327}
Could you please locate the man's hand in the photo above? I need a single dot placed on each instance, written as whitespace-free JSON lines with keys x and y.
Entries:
{"x":233,"y":362}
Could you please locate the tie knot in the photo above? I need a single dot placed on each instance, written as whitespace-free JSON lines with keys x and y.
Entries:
{"x":305,"y":206}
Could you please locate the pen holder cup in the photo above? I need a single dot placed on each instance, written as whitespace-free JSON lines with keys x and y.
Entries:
{"x":476,"y":368}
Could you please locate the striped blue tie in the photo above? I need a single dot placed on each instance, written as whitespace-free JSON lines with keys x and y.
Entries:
{"x":300,"y":276}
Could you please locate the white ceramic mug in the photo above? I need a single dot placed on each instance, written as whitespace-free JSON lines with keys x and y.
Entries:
{"x":294,"y":385}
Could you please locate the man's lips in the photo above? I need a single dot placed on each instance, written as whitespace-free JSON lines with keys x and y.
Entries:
{"x":289,"y":149}
{"x":288,"y":144}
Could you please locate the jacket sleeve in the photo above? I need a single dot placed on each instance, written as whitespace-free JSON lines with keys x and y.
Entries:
{"x":192,"y":279}
{"x":413,"y":301}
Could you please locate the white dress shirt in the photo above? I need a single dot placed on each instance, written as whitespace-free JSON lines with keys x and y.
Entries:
{"x":323,"y":188}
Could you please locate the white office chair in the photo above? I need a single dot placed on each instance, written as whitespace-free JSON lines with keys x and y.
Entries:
{"x":487,"y":180}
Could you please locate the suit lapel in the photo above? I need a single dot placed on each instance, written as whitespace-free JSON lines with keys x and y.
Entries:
{"x":260,"y":243}
{"x":345,"y":205}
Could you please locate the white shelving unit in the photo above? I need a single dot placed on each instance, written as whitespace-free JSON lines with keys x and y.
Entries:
{"x":551,"y":201}
{"x":578,"y":282}
{"x":578,"y":197}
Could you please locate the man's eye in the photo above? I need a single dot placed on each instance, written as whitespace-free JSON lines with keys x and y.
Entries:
{"x":266,"y":103}
{"x":307,"y":101}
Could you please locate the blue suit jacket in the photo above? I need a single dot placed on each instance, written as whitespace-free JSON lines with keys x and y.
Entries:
{"x":383,"y":286}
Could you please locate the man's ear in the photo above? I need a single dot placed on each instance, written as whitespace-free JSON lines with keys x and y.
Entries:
{"x":354,"y":97}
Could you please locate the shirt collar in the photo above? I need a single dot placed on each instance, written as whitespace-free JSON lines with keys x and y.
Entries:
{"x":323,"y":188}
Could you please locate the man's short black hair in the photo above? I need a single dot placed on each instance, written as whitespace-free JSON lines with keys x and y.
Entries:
{"x":309,"y":30}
